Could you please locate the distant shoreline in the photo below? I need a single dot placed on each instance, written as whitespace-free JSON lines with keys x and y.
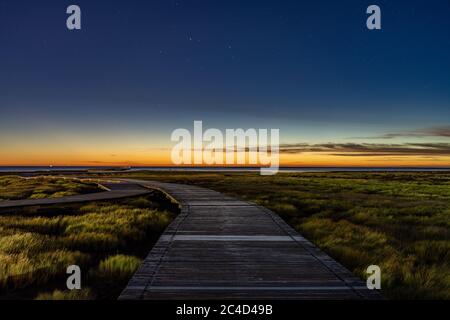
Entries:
{"x":288,"y":169}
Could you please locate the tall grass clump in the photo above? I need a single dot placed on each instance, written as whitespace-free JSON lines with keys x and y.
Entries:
{"x":118,"y":267}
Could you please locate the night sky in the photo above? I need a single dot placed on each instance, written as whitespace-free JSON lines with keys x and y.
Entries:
{"x":113,"y":92}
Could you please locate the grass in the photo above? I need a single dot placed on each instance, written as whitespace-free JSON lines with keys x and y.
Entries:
{"x":118,"y":267}
{"x":83,"y":294}
{"x":399,"y":221}
{"x":18,"y":188}
{"x":107,"y":239}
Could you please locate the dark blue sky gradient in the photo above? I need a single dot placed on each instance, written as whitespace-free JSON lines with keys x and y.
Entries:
{"x":163,"y":64}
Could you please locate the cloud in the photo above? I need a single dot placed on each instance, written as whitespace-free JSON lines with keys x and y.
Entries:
{"x":370,"y":149}
{"x":429,"y":132}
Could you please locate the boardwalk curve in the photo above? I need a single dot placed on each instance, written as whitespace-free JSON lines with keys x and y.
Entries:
{"x":220,"y":247}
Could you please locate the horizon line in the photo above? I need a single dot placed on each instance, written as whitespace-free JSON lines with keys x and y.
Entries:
{"x":215,"y":166}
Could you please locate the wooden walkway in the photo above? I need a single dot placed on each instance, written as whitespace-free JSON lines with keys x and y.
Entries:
{"x":223,"y":248}
{"x":115,"y":191}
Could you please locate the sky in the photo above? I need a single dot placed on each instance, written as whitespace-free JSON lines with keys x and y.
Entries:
{"x":113,"y":92}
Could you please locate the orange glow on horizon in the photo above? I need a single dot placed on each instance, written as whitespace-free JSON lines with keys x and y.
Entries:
{"x":160,"y":157}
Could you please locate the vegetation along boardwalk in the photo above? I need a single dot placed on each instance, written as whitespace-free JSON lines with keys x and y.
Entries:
{"x":223,"y":248}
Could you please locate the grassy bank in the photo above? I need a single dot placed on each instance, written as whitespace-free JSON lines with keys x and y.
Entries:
{"x":106,"y":239}
{"x":18,"y":188}
{"x":399,"y":221}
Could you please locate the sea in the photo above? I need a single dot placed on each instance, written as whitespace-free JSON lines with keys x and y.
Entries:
{"x":16,"y":169}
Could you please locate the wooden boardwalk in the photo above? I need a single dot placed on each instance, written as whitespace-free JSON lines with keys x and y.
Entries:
{"x":219,"y":247}
{"x":115,"y":191}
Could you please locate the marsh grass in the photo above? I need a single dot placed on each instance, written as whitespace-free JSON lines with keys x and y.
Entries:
{"x":399,"y":221}
{"x":82,"y":294}
{"x":117,"y":267}
{"x":106,"y":239}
